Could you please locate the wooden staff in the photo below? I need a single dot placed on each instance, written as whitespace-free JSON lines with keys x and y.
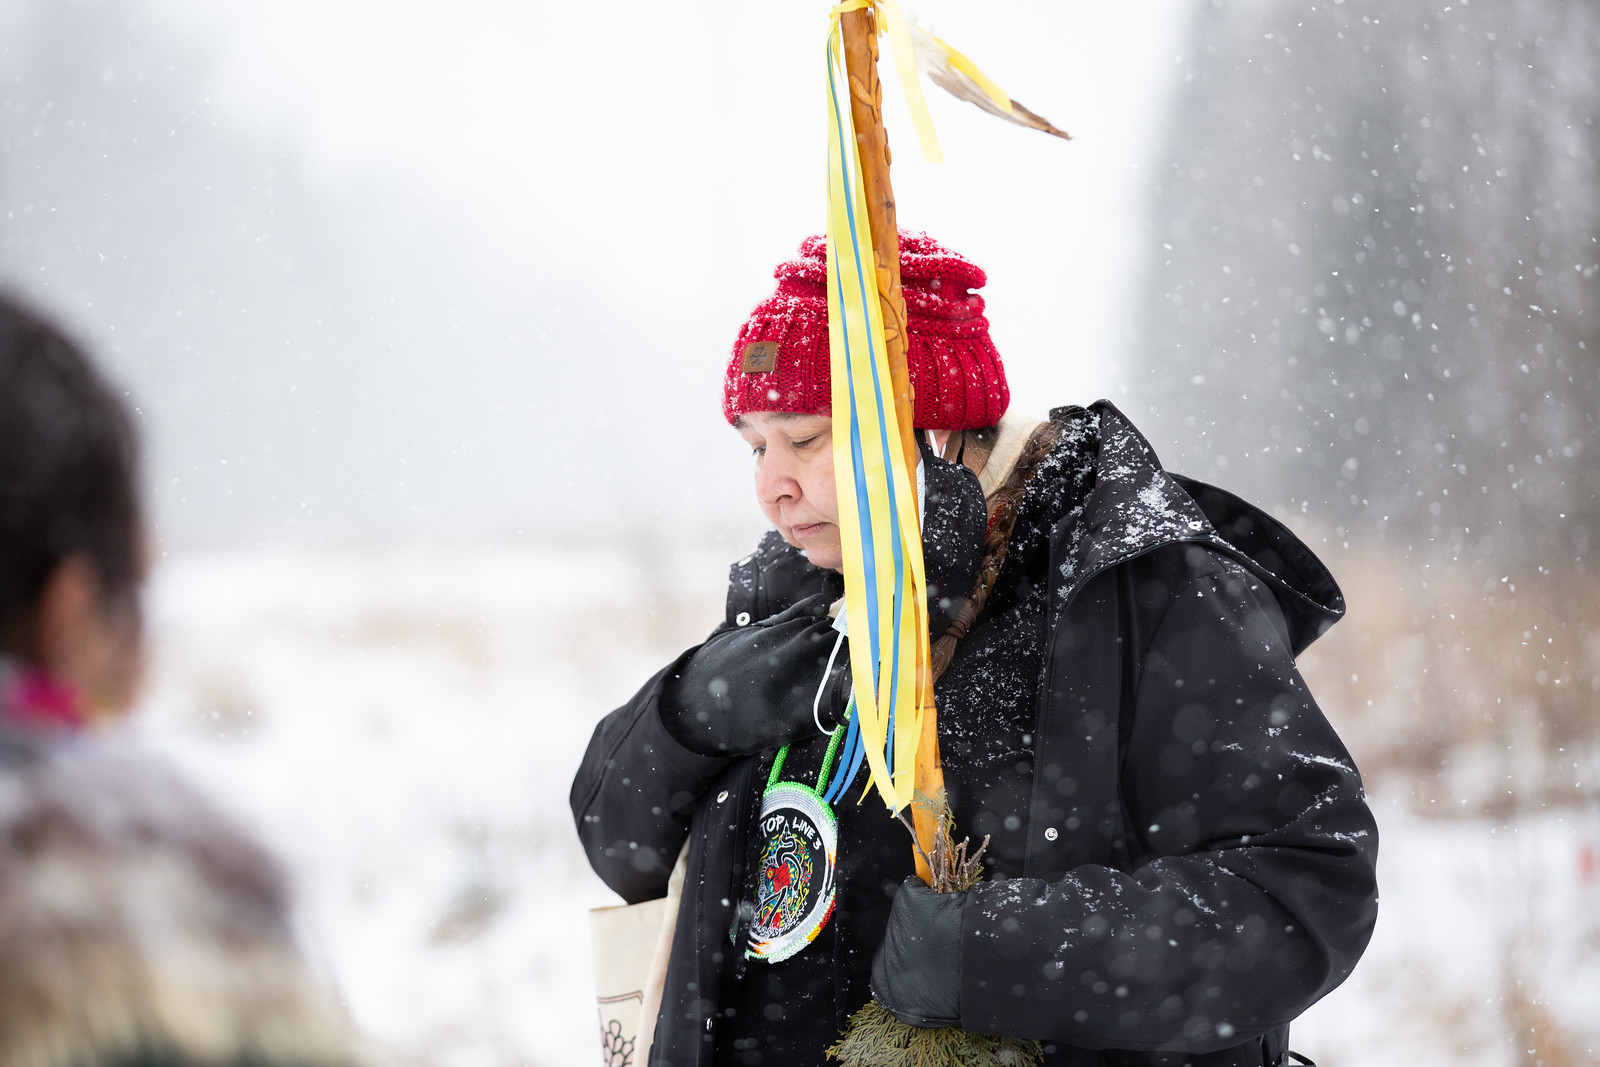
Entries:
{"x":860,"y":30}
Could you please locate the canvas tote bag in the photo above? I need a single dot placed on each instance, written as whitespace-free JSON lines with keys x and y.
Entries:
{"x":632,"y":943}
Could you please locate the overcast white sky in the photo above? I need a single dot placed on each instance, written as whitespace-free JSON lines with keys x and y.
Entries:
{"x":685,"y":141}
{"x":390,"y":270}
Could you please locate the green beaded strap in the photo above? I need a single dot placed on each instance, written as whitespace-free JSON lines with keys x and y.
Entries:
{"x":827,"y":760}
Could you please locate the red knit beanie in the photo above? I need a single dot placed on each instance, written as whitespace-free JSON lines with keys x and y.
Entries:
{"x":780,"y":359}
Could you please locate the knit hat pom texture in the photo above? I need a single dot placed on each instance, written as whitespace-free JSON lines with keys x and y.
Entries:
{"x":780,"y":360}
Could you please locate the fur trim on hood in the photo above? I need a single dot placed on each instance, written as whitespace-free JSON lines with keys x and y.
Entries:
{"x":137,"y":922}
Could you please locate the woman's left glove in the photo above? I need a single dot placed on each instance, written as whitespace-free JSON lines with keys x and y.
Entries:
{"x":752,"y":689}
{"x":917,"y":971}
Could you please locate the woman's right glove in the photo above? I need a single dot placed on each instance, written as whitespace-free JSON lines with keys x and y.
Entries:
{"x":916,"y":973}
{"x":752,"y":689}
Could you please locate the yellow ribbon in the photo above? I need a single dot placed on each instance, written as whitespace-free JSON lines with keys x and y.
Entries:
{"x":879,"y":527}
{"x":878,"y":522}
{"x":894,"y":25}
{"x":905,"y":65}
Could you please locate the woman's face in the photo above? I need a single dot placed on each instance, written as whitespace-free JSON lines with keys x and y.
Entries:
{"x":87,"y":639}
{"x":794,"y":480}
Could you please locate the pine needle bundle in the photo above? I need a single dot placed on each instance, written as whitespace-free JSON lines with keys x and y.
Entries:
{"x":873,"y":1037}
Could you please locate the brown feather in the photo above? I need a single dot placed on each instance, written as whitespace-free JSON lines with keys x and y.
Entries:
{"x":933,"y":59}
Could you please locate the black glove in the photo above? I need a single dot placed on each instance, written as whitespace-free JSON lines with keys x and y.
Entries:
{"x":917,"y":971}
{"x":751,"y":689}
{"x":954,"y":523}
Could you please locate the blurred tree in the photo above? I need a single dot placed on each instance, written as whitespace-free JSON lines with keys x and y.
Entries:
{"x":1377,"y":297}
{"x":1377,"y":302}
{"x":178,"y":244}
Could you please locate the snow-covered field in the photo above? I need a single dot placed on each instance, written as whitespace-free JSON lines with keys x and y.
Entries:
{"x":402,"y":726}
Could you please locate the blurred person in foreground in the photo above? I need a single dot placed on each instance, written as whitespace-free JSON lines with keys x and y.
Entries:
{"x":1181,"y":859}
{"x":137,"y":925}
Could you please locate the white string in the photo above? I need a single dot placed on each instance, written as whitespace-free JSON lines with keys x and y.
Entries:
{"x":827,"y":672}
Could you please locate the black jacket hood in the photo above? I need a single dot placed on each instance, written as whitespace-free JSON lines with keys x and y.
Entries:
{"x":1134,"y":507}
{"x":1137,"y":506}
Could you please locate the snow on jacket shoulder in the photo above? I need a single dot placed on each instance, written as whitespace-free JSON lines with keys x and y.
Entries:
{"x":1200,"y":862}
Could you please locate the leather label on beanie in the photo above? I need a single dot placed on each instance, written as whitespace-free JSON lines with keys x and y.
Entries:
{"x":760,"y":357}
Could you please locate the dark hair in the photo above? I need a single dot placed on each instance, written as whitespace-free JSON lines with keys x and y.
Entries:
{"x":68,"y":470}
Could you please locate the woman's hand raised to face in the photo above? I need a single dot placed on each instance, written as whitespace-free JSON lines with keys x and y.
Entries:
{"x":753,"y":689}
{"x":953,"y":527}
{"x":794,"y":482}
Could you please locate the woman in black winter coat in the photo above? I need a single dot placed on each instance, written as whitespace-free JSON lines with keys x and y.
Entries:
{"x":1181,"y":860}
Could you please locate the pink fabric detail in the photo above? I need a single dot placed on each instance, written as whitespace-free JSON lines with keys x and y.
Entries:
{"x":34,"y":700}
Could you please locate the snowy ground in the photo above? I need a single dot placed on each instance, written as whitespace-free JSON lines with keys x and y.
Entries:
{"x":402,"y":727}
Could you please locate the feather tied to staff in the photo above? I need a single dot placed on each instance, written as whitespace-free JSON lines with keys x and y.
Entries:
{"x":918,"y":50}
